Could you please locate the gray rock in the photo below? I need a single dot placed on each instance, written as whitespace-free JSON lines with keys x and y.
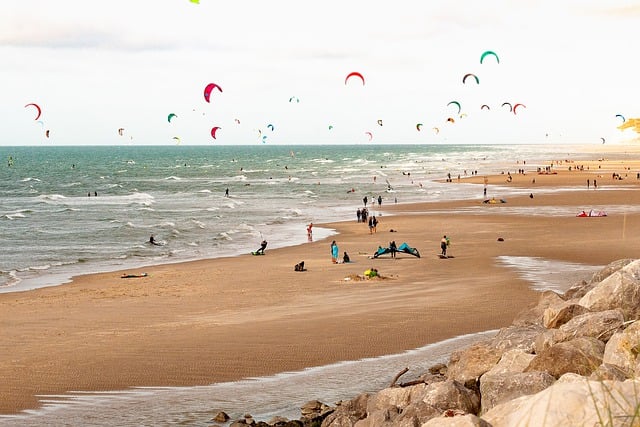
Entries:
{"x":572,"y":401}
{"x":517,"y":337}
{"x":500,"y":388}
{"x":620,"y":290}
{"x":581,"y":356}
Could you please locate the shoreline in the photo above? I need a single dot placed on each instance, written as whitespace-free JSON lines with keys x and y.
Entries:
{"x":208,"y":321}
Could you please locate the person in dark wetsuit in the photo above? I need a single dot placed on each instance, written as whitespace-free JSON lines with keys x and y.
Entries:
{"x":263,"y":246}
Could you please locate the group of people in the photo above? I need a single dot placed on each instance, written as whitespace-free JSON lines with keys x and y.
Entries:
{"x":335,"y":253}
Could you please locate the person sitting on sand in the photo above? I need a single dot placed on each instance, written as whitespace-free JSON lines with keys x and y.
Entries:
{"x":345,"y":257}
{"x":263,"y":246}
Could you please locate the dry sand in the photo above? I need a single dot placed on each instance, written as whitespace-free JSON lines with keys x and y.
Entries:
{"x":225,"y":319}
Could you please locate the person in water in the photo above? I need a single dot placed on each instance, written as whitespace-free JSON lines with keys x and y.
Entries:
{"x":263,"y":246}
{"x":152,"y":240}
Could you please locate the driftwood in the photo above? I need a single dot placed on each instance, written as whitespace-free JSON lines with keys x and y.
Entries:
{"x":398,"y":375}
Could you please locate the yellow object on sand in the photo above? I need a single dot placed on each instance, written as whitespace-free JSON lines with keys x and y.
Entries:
{"x":370,"y":273}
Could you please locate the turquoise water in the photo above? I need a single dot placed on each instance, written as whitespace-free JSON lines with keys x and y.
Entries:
{"x":53,"y":226}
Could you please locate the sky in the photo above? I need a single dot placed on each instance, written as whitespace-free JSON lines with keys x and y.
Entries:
{"x":96,"y":67}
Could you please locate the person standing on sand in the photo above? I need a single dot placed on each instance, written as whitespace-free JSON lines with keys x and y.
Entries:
{"x":365,"y":200}
{"x":374,"y":222}
{"x":310,"y":231}
{"x":334,"y":252}
{"x":443,"y":245}
{"x":394,"y":248}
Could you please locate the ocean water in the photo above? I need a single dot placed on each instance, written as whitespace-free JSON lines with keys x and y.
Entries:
{"x":53,"y":226}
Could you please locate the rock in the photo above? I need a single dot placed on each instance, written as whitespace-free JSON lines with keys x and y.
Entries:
{"x":348,"y":412}
{"x":468,"y":420}
{"x":221,"y":417}
{"x":512,"y":361}
{"x":417,"y":414}
{"x":438,"y":369}
{"x":554,"y":317}
{"x":601,"y":325}
{"x":467,"y":365}
{"x":623,"y":347}
{"x":609,"y":269}
{"x":313,"y":408}
{"x":607,"y":371}
{"x":620,"y":290}
{"x":517,"y":337}
{"x":396,"y":397}
{"x":581,"y":356}
{"x":451,"y":394}
{"x":500,"y":388}
{"x":571,"y":401}
{"x":534,"y":315}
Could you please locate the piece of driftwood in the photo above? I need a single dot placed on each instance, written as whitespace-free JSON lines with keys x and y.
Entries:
{"x":398,"y":375}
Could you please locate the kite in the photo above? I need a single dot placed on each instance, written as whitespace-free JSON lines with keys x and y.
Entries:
{"x":602,"y":139}
{"x":456,"y":103}
{"x":352,"y":74}
{"x":489,"y":52}
{"x":171,"y":116}
{"x":121,"y":131}
{"x":177,"y":138}
{"x":47,"y":133}
{"x":370,"y":135}
{"x":330,"y":127}
{"x":508,"y":105}
{"x":37,"y":108}
{"x":622,"y":117}
{"x":485,"y":106}
{"x":436,"y":130}
{"x":518,"y":105}
{"x":237,"y":121}
{"x":270,"y":126}
{"x":380,"y":122}
{"x":213,"y":131}
{"x":451,"y":120}
{"x":293,"y":98}
{"x":208,"y":89}
{"x":464,"y":79}
{"x":418,"y":126}
{"x":195,"y":1}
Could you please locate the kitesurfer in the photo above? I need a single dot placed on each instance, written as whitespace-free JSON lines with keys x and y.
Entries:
{"x":263,"y":246}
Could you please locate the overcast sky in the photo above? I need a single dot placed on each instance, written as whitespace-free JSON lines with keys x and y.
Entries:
{"x":95,"y":67}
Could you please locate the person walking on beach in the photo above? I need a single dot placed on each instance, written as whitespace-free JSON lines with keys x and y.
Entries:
{"x":379,"y":200}
{"x":226,"y":192}
{"x":310,"y":231}
{"x":443,"y":245}
{"x":359,"y":214}
{"x":365,"y":200}
{"x":334,"y":252}
{"x":374,"y":222}
{"x":370,"y":225}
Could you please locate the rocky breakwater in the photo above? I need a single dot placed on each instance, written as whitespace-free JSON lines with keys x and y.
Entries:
{"x":572,"y":360}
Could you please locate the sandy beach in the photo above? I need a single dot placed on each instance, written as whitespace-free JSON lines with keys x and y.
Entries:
{"x":225,"y":319}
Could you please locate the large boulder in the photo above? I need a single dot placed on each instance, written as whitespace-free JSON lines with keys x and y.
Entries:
{"x":467,"y":365}
{"x":517,"y":337}
{"x":348,"y":412}
{"x":396,"y":396}
{"x":451,"y":394}
{"x":554,"y":317}
{"x":533,"y":315}
{"x":512,"y":361}
{"x":500,"y":388}
{"x":623,"y":347}
{"x":467,"y":420}
{"x":572,"y":401}
{"x":620,"y":290}
{"x":581,"y":356}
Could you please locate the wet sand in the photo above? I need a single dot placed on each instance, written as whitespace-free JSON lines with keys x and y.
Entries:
{"x":229,"y":318}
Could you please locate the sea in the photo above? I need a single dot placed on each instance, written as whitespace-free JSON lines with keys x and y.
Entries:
{"x":70,"y":210}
